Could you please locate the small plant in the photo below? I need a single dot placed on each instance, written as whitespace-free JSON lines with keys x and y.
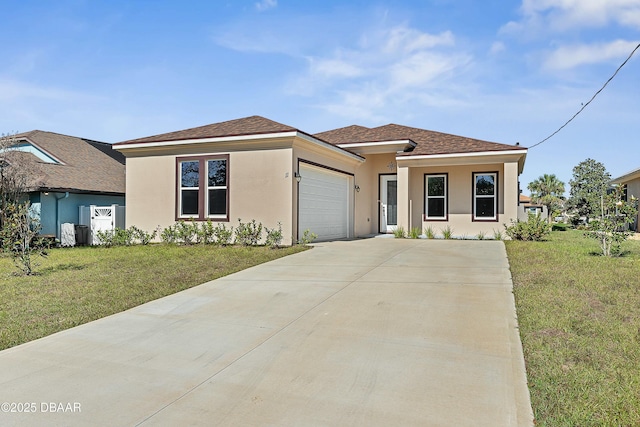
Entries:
{"x":307,"y":237}
{"x":447,"y":232}
{"x":481,"y":235}
{"x":187,"y":232}
{"x":415,"y":233}
{"x":534,"y":228}
{"x":142,"y":236}
{"x":497,"y":235}
{"x":206,"y":233}
{"x":169,"y":235}
{"x":123,"y":237}
{"x":274,"y":236}
{"x":248,"y":234}
{"x":399,"y":232}
{"x":222,"y":235}
{"x":19,"y":235}
{"x":104,"y":238}
{"x":429,"y":233}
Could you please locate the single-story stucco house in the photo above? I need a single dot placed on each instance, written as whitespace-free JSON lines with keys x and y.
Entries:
{"x":631,"y":185}
{"x":67,"y":172}
{"x":344,"y":183}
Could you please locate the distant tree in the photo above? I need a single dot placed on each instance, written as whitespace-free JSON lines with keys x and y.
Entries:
{"x":547,"y":190}
{"x":588,"y":187}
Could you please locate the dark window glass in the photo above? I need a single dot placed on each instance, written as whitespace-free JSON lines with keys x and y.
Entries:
{"x":485,"y":185}
{"x":189,"y":202}
{"x":190,"y":174}
{"x":435,"y":207}
{"x":217,"y":173}
{"x":435,"y":186}
{"x":485,"y":207}
{"x":392,"y":202}
{"x":218,"y":202}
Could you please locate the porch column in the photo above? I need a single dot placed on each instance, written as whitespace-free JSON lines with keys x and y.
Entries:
{"x":510,"y":192}
{"x":403,"y":197}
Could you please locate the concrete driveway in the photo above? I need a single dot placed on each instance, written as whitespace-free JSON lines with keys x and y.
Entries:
{"x":371,"y":332}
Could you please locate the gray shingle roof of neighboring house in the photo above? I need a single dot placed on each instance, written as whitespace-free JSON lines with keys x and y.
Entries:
{"x":427,"y":142}
{"x":254,"y":125}
{"x":83,"y":165}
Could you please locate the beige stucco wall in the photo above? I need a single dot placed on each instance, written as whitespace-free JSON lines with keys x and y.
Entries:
{"x":633,"y":189}
{"x":260,"y":187}
{"x":367,"y":199}
{"x":460,"y":191}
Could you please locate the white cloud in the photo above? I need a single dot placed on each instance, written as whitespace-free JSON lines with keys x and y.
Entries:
{"x":566,"y":57}
{"x":562,"y":15}
{"x":388,"y":65}
{"x":266,"y":5}
{"x":497,"y":48}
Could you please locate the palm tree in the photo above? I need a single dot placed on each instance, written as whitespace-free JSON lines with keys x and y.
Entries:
{"x":547,"y":190}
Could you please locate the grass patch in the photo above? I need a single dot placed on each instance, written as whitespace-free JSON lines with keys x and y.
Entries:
{"x":78,"y":285}
{"x":579,"y":317}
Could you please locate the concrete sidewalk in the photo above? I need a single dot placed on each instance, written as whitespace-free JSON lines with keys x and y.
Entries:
{"x":369,"y":332}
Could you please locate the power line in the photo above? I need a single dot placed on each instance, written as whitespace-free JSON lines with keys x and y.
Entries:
{"x":589,"y":101}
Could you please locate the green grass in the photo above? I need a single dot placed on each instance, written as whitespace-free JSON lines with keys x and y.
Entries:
{"x":76,"y":286}
{"x":579,"y":317}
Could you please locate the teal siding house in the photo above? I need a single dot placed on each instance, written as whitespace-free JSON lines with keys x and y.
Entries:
{"x":69,"y":172}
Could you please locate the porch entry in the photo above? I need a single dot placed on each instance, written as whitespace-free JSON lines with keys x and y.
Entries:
{"x":388,"y":203}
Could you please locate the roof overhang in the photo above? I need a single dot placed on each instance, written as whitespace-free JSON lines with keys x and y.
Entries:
{"x":379,"y":147}
{"x":629,"y":176}
{"x":227,"y":140}
{"x":457,"y":159}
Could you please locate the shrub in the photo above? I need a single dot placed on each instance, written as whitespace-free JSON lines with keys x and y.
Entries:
{"x":248,"y":234}
{"x":274,"y":236}
{"x":187,"y":232}
{"x":399,"y":232}
{"x":222,"y":235}
{"x":430,"y":233}
{"x":143,"y":237}
{"x":415,"y":233}
{"x":307,"y":237}
{"x":19,"y":235}
{"x":104,"y":238}
{"x":481,"y":235}
{"x":612,"y":228}
{"x":497,"y":235}
{"x":534,"y":228}
{"x":206,"y":233}
{"x":169,"y":235}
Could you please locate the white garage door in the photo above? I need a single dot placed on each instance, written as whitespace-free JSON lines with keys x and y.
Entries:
{"x":323,"y":205}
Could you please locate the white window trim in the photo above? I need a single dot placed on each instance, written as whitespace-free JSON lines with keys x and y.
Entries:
{"x":494,"y":197}
{"x":181,"y":189}
{"x":215,"y":187}
{"x":427,"y":197}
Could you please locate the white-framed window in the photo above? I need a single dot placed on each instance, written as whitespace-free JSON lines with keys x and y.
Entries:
{"x":485,"y":196}
{"x":203,"y":190}
{"x":436,"y":197}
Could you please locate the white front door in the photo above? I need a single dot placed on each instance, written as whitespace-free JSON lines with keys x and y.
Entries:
{"x":388,"y":203}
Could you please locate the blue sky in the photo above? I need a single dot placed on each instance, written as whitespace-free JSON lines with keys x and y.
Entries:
{"x":503,"y":71}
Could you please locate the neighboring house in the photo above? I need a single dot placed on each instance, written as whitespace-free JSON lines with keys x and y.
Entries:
{"x":631,"y":185}
{"x":69,"y":172}
{"x":344,"y":183}
{"x":527,"y":208}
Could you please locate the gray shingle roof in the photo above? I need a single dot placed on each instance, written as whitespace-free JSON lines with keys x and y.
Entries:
{"x":427,"y":142}
{"x":86,"y":165}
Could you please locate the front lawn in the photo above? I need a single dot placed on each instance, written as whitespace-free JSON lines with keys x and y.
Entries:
{"x":579,"y":316}
{"x":78,"y":285}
